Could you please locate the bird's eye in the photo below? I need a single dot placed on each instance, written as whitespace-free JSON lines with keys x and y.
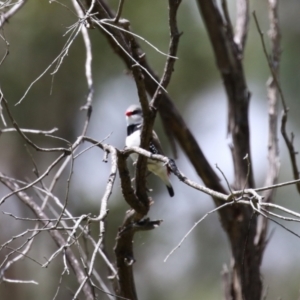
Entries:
{"x":135,"y":112}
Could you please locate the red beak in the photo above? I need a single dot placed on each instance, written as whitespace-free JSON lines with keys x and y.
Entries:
{"x":128,"y":113}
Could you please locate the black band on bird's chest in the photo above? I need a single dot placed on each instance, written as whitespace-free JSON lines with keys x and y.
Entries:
{"x":132,"y":128}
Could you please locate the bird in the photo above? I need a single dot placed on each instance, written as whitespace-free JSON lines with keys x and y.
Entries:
{"x":134,"y":120}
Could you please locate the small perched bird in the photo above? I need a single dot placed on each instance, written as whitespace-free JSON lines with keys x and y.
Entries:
{"x":134,"y":119}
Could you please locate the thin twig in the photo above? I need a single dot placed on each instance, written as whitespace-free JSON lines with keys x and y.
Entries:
{"x":225,"y":178}
{"x":2,"y":36}
{"x":50,"y":167}
{"x":126,"y":52}
{"x":76,"y":28}
{"x":57,"y":237}
{"x":6,"y":16}
{"x":33,"y":131}
{"x":273,"y":146}
{"x":18,"y":281}
{"x":119,"y":11}
{"x":15,"y":124}
{"x":195,"y":225}
{"x":288,"y":141}
{"x":89,"y":56}
{"x":269,"y":61}
{"x":1,"y":109}
{"x":278,"y":185}
{"x":109,"y":22}
{"x":180,"y":175}
{"x":169,"y":67}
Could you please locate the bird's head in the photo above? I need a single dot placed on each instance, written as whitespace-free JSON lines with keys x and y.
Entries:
{"x":134,"y":115}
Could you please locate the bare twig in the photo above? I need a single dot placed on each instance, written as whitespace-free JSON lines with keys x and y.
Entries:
{"x":51,"y":166}
{"x":177,"y":126}
{"x":269,"y":60}
{"x":89,"y":57}
{"x":169,"y":68}
{"x":273,"y":148}
{"x":3,"y":59}
{"x":273,"y":63}
{"x":75,"y":30}
{"x":180,"y":176}
{"x":242,"y":24}
{"x":173,"y":46}
{"x":57,"y":237}
{"x":18,"y":281}
{"x":119,"y":11}
{"x":6,"y":16}
{"x":69,"y":217}
{"x":225,"y":178}
{"x":1,"y":109}
{"x":195,"y":225}
{"x":232,"y":72}
{"x":134,"y":62}
{"x":109,"y":22}
{"x":291,"y":148}
{"x":149,"y":115}
{"x":15,"y":124}
{"x":272,"y":89}
{"x":33,"y":131}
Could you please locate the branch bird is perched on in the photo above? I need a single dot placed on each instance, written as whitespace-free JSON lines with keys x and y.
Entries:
{"x":134,"y":119}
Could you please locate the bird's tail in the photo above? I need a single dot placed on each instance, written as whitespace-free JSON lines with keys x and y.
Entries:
{"x":170,"y":190}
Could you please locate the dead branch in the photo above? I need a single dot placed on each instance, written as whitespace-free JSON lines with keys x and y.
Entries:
{"x":246,"y":282}
{"x":170,"y":114}
{"x":231,"y":70}
{"x":7,"y":15}
{"x":242,"y":24}
{"x":273,"y":63}
{"x":57,"y":237}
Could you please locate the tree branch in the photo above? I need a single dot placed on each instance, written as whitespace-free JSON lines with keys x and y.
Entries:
{"x":57,"y":237}
{"x":273,"y":147}
{"x":6,"y":16}
{"x":230,"y":66}
{"x":168,"y":111}
{"x":246,"y":282}
{"x":242,"y":24}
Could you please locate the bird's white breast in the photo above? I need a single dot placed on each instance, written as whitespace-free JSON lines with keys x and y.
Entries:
{"x":158,"y":168}
{"x":133,"y":140}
